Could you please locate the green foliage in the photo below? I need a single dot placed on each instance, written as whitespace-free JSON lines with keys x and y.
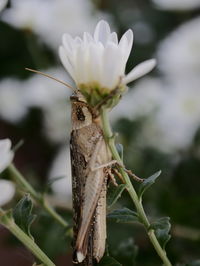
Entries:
{"x":22,"y":214}
{"x":147,"y":183}
{"x":123,"y":216}
{"x":126,"y":251}
{"x":162,"y":227}
{"x":194,"y":263}
{"x":109,"y":261}
{"x":114,"y":194}
{"x":5,"y":216}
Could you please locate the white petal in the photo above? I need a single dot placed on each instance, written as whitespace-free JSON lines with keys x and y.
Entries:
{"x":112,"y":65}
{"x":66,"y":63}
{"x":139,"y":71}
{"x":126,"y":43}
{"x":78,"y":40}
{"x":68,"y":42}
{"x":87,"y":38}
{"x":6,"y":154}
{"x":81,"y":64}
{"x":5,"y":145}
{"x":102,"y":32}
{"x":7,"y":191}
{"x":95,"y":62}
{"x":113,"y":37}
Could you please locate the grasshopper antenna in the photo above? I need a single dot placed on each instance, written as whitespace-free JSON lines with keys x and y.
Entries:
{"x":48,"y":76}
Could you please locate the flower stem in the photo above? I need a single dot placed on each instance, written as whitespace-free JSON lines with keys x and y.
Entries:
{"x":7,"y":220}
{"x":17,"y":176}
{"x":108,"y":134}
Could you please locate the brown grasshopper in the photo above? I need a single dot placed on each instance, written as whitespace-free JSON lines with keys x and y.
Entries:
{"x":90,"y":159}
{"x":90,"y":162}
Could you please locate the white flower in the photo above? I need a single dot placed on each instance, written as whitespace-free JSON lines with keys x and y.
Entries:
{"x":3,"y":4}
{"x":179,"y":53}
{"x":53,"y":99}
{"x":175,"y":123}
{"x":13,"y":106}
{"x":49,"y":19}
{"x":177,"y":4}
{"x":6,"y":154}
{"x":43,"y":92}
{"x":7,"y":191}
{"x":99,"y":61}
{"x":142,"y":100}
{"x":61,"y":167}
{"x":57,"y":121}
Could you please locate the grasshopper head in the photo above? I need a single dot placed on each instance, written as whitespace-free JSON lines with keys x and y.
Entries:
{"x":81,"y":112}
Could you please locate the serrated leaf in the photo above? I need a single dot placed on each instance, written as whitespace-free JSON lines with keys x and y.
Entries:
{"x":22,"y":214}
{"x":123,"y":216}
{"x":114,"y":194}
{"x":147,"y":183}
{"x":194,"y":263}
{"x":109,"y":261}
{"x":162,"y":227}
{"x":120,"y":150}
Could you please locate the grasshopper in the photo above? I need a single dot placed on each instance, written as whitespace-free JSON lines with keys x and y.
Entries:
{"x":90,"y":159}
{"x":90,"y":162}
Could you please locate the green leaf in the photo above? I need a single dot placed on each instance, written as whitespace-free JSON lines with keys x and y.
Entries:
{"x":194,"y":263}
{"x":123,"y":216}
{"x":114,"y":193}
{"x":22,"y":214}
{"x":109,"y":261}
{"x":162,"y":227}
{"x":126,"y":251}
{"x":147,"y":183}
{"x":120,"y":150}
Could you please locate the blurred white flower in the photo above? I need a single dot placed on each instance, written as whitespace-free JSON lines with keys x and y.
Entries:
{"x":61,"y":167}
{"x":179,"y":53}
{"x":49,"y":19}
{"x":12,"y":103}
{"x":6,"y":154}
{"x":3,"y":4}
{"x":57,"y":121}
{"x":177,"y":120}
{"x":53,"y":99}
{"x":43,"y":92}
{"x":98,"y":62}
{"x":7,"y":191}
{"x":177,"y":4}
{"x":140,"y":101}
{"x":143,"y":32}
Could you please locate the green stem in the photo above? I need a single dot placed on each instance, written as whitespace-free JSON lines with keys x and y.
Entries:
{"x":7,"y":220}
{"x":17,"y":176}
{"x":108,"y":134}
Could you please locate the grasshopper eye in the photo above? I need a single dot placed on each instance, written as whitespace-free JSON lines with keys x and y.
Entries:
{"x":80,"y":114}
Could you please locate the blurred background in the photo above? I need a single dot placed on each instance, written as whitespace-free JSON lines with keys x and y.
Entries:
{"x":157,"y":120}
